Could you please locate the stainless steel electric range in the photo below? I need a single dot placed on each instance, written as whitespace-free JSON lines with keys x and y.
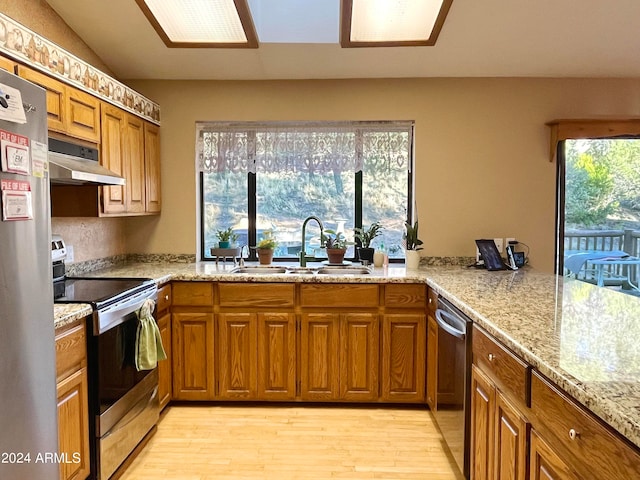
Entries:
{"x":123,"y":402}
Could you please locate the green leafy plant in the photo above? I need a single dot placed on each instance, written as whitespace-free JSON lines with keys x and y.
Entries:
{"x":410,"y":236}
{"x":367,"y":235}
{"x":268,"y":240}
{"x":227,"y":235}
{"x":333,"y":239}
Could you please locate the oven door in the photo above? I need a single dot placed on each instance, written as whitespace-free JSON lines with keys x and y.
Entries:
{"x":124,"y":401}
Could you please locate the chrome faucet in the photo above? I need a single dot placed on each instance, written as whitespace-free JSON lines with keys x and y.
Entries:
{"x":303,"y":255}
{"x":241,"y":262}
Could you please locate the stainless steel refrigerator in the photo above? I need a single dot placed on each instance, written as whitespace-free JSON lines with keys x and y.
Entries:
{"x":28,"y":412}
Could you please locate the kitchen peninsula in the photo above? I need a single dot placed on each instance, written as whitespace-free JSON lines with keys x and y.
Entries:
{"x":583,"y":338}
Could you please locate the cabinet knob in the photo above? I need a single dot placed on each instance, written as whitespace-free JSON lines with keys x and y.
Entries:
{"x":430,"y":300}
{"x":573,"y":434}
{"x":166,"y":297}
{"x":491,"y":357}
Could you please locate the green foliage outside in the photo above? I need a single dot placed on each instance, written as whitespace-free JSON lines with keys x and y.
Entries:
{"x":602,"y":184}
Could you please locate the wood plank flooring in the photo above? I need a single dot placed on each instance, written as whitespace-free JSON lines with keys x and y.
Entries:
{"x":230,"y":442}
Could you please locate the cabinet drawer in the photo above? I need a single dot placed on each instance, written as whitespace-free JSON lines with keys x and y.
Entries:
{"x":339,"y":295}
{"x":512,"y":373}
{"x":71,"y":351}
{"x":164,"y":298}
{"x":405,"y":296}
{"x":192,"y":293}
{"x":256,"y":295}
{"x":579,"y":437}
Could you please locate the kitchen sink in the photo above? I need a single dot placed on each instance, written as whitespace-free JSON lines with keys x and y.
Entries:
{"x":265,"y":270}
{"x":344,"y":270}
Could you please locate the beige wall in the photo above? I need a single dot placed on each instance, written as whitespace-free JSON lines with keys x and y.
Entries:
{"x":482,"y":166}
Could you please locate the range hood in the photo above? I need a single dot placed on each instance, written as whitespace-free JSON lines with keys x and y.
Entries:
{"x":72,"y":164}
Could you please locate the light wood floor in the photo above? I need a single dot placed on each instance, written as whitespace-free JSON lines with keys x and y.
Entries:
{"x":282,"y":442}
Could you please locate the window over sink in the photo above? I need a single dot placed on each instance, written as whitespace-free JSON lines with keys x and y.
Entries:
{"x":259,"y":177}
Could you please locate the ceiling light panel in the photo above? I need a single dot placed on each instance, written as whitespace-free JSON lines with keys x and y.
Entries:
{"x":392,"y":22}
{"x":201,"y":22}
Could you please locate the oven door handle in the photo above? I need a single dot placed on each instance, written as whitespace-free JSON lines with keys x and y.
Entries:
{"x":451,"y":323}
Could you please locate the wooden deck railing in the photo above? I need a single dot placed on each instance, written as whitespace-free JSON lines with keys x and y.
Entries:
{"x":606,"y":241}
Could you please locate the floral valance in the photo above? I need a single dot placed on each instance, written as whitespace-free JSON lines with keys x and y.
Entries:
{"x":305,"y":147}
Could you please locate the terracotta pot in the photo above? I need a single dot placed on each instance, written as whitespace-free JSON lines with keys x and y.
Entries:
{"x":265,"y":255}
{"x":336,"y":255}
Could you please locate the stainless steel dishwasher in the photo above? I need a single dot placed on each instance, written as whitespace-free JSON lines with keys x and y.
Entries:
{"x":454,"y":381}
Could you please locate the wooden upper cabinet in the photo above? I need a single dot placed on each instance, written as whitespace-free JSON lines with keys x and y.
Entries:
{"x":70,"y":111}
{"x":112,"y":157}
{"x":134,"y":161}
{"x":152,"y":167}
{"x":7,"y":64}
{"x":56,"y":97}
{"x":83,"y":115}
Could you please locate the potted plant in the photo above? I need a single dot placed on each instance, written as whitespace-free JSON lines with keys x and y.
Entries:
{"x":336,"y":245}
{"x":365,"y":236}
{"x":226,"y":237}
{"x":265,"y":248}
{"x":412,"y":245}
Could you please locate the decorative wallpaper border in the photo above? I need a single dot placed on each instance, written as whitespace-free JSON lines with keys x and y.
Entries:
{"x":26,"y":46}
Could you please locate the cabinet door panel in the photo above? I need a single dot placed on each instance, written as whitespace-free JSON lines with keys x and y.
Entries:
{"x":152,"y":167}
{"x":276,"y":356}
{"x":73,"y":425}
{"x":193,"y":356}
{"x":545,"y":463}
{"x":112,"y":157}
{"x":432,"y":362}
{"x":510,"y":447}
{"x":56,"y":97}
{"x":319,"y":376}
{"x":359,"y":340}
{"x":237,"y":359}
{"x":83,"y":115}
{"x":403,"y":357}
{"x":134,"y":162}
{"x":164,"y":366}
{"x":482,"y":425}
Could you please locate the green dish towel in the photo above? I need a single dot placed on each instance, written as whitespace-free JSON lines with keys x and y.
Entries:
{"x":148,"y":341}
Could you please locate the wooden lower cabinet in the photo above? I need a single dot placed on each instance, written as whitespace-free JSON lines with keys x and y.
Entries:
{"x":432,"y":362}
{"x":319,"y":359}
{"x":73,"y":406}
{"x":193,"y":356}
{"x":237,"y":356}
{"x":403,"y":357}
{"x":339,"y":356}
{"x":499,"y":433}
{"x":545,"y":463}
{"x":164,"y":366}
{"x":276,"y":356}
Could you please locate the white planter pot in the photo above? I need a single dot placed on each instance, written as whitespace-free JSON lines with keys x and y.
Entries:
{"x":412,"y":259}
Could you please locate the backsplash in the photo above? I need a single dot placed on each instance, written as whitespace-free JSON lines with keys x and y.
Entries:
{"x":91,"y":238}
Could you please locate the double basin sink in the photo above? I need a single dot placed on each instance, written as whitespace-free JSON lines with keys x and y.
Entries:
{"x":292,"y":270}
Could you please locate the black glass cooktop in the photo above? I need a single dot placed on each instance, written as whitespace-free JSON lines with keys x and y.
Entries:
{"x":97,"y":291}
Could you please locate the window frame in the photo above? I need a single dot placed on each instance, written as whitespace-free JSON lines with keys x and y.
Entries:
{"x":358,"y":179}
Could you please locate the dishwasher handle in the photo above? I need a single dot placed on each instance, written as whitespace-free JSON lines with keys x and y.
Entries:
{"x":451,"y":323}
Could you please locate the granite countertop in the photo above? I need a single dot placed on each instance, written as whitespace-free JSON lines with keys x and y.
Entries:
{"x":66,"y":313}
{"x":584,"y":338}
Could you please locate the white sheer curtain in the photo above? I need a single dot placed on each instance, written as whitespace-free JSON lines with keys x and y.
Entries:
{"x":305,"y":147}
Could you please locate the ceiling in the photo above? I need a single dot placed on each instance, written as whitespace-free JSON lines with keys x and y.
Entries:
{"x":488,"y":38}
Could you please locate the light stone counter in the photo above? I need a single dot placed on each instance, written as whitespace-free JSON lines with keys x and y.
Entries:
{"x":586,"y":339}
{"x":66,"y":313}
